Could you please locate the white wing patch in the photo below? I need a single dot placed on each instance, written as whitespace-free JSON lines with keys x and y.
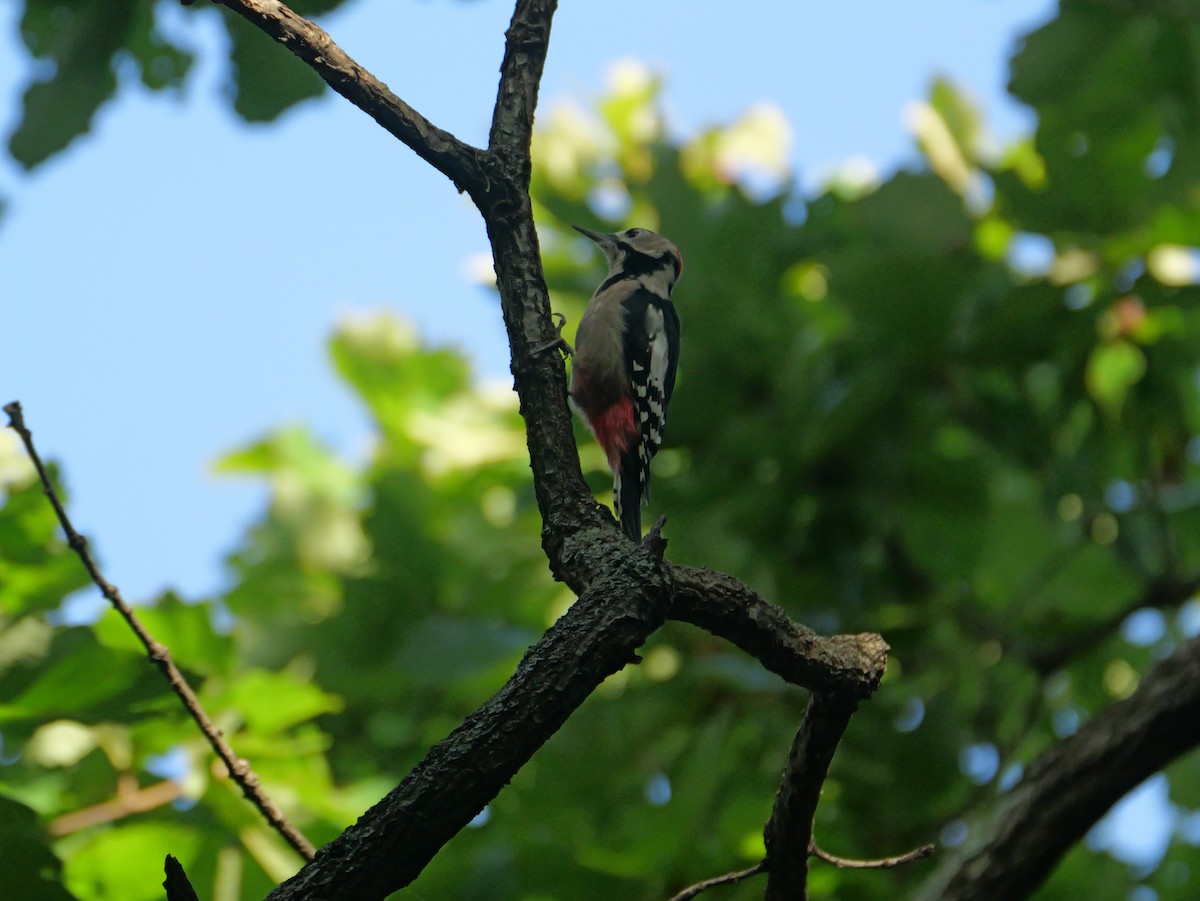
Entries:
{"x":650,"y":395}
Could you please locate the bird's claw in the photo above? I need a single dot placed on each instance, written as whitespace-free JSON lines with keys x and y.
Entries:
{"x":559,"y":341}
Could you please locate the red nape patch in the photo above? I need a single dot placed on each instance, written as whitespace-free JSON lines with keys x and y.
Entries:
{"x":616,"y":428}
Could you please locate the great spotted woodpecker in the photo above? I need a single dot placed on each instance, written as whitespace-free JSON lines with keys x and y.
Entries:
{"x":626,"y":354}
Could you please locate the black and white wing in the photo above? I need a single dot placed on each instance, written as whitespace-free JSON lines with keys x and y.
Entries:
{"x":652,"y":354}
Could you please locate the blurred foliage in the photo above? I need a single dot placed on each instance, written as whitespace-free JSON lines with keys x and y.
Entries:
{"x":957,"y":405}
{"x":81,"y":50}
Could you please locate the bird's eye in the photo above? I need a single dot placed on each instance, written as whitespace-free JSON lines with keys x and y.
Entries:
{"x":633,"y":233}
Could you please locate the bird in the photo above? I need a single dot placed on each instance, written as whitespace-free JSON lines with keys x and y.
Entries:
{"x":625,"y":359}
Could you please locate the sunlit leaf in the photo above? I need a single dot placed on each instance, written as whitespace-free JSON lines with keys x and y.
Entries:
{"x":1113,"y":369}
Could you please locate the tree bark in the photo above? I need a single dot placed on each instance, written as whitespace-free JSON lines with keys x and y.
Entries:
{"x":1073,"y":784}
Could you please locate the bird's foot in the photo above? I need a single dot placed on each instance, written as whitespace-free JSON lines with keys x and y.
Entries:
{"x":559,"y":341}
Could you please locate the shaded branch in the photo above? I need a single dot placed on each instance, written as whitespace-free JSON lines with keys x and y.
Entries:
{"x":788,"y":833}
{"x":728,"y":879}
{"x":849,"y":665}
{"x":882,"y":863}
{"x":457,"y":160}
{"x":394,"y":840}
{"x":1069,"y":787}
{"x":239,"y":769}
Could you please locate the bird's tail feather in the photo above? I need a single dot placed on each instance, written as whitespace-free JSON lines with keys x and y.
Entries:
{"x":627,"y":494}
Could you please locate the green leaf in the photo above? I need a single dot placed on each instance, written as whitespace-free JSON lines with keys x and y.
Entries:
{"x":272,"y":702}
{"x":1112,"y":371}
{"x":79,"y":678}
{"x":37,"y":570}
{"x":80,"y":40}
{"x":185,"y":629}
{"x":442,"y":650}
{"x":161,"y":63}
{"x":266,"y":81}
{"x":962,"y":117}
{"x":126,"y":861}
{"x":32,"y":871}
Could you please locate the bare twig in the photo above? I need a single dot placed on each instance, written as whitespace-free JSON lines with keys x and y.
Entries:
{"x":457,"y":160}
{"x":788,"y":833}
{"x":130,"y":799}
{"x":883,"y":863}
{"x":728,"y":879}
{"x":159,"y":655}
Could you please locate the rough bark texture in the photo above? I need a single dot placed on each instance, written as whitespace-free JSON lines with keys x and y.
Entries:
{"x":394,"y":840}
{"x":841,"y":664}
{"x":1073,"y":784}
{"x":788,"y":834}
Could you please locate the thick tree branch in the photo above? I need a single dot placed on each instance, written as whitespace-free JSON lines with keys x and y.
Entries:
{"x":393,"y":841}
{"x":457,"y":160}
{"x":526,"y":43}
{"x":849,"y":665}
{"x":1074,"y":783}
{"x":239,"y":770}
{"x":788,"y":834}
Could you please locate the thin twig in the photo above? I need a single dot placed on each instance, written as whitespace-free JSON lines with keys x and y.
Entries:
{"x":239,"y":770}
{"x":728,"y":879}
{"x":883,"y":863}
{"x":130,"y":799}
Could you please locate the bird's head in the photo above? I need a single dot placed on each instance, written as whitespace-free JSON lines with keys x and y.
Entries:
{"x":638,"y":250}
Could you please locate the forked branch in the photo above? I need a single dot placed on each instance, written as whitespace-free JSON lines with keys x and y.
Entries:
{"x":625,"y":591}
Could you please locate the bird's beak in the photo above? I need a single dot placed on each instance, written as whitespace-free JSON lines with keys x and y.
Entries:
{"x":599,"y":237}
{"x":607,"y":243}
